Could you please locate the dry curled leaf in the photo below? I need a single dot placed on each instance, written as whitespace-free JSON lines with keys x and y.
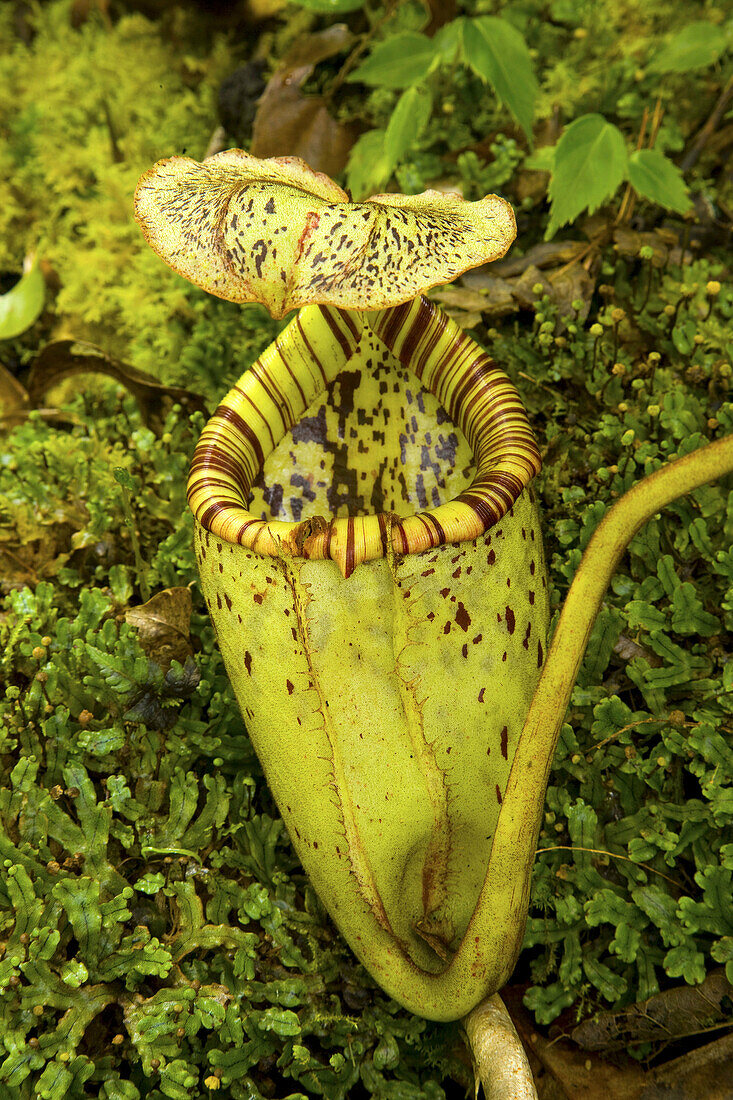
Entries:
{"x":290,"y":123}
{"x":63,"y":358}
{"x":629,"y":242}
{"x":543,"y":255}
{"x":163,"y":625}
{"x":440,"y":13}
{"x":511,"y":283}
{"x":572,"y":283}
{"x":276,"y":232}
{"x":35,"y":545}
{"x":628,"y":649}
{"x":494,"y":299}
{"x":684,"y":1010}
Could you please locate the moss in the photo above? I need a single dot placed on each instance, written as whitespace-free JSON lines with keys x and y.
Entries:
{"x":84,"y":111}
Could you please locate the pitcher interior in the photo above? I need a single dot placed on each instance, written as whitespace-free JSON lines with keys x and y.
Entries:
{"x":373,"y":441}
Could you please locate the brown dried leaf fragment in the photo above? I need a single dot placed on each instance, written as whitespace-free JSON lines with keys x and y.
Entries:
{"x":291,"y":123}
{"x":163,"y":625}
{"x":674,"y":1013}
{"x":14,"y":400}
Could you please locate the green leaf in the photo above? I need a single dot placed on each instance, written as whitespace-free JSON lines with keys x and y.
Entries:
{"x":80,"y":899}
{"x":661,"y":908}
{"x":548,"y":1001}
{"x":54,"y":1083}
{"x":695,"y":46}
{"x":641,"y":613}
{"x":542,"y":160}
{"x":610,"y":985}
{"x":210,"y":1011}
{"x":74,"y":973}
{"x":626,"y":943}
{"x":369,"y":167}
{"x":280,"y":1020}
{"x":448,"y":41}
{"x":497,"y":52}
{"x":409,"y":119}
{"x":150,"y":883}
{"x":656,"y":178}
{"x":603,"y":638}
{"x":398,"y":62}
{"x":667,"y":575}
{"x":689,"y":615}
{"x":23,"y":303}
{"x":685,"y":962}
{"x":590,"y":163}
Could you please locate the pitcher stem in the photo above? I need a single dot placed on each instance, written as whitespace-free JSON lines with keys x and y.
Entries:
{"x":499,"y":1059}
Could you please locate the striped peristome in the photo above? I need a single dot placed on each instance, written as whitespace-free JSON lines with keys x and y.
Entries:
{"x":296,"y":370}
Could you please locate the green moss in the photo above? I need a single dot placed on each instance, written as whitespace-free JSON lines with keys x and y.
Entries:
{"x":83,"y":112}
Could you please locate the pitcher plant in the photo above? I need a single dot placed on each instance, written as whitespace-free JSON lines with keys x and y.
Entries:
{"x":371,"y":555}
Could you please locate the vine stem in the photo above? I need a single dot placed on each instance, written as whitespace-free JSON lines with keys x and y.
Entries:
{"x":499,"y":1059}
{"x":515,"y":839}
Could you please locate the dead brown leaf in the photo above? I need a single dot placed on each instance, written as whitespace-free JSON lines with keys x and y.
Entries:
{"x":703,"y":1074}
{"x":15,"y":405}
{"x":563,"y":1072}
{"x":672,"y":1014}
{"x":163,"y":625}
{"x":548,"y":254}
{"x":628,"y":242}
{"x":289,"y":123}
{"x":494,"y":299}
{"x":627,"y":649}
{"x":63,"y":358}
{"x":509,"y":284}
{"x":572,"y":283}
{"x":34,"y":547}
{"x":523,"y":287}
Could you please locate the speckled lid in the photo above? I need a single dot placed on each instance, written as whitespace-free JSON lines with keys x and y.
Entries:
{"x":276,"y":232}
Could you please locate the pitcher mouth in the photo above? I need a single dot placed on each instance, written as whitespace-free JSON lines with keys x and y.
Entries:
{"x":274,"y":394}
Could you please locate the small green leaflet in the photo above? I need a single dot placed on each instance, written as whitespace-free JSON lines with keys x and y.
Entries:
{"x":448,"y":41}
{"x":399,"y":62}
{"x":655,"y":177}
{"x":590,"y":162}
{"x":22,"y":305}
{"x":695,"y":47}
{"x":542,"y":160}
{"x":409,"y":119}
{"x":497,"y":53}
{"x":369,"y":167}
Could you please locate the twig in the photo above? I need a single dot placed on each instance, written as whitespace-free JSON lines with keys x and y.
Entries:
{"x":624,"y":210}
{"x":694,"y":153}
{"x":600,"y":852}
{"x":629,"y":200}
